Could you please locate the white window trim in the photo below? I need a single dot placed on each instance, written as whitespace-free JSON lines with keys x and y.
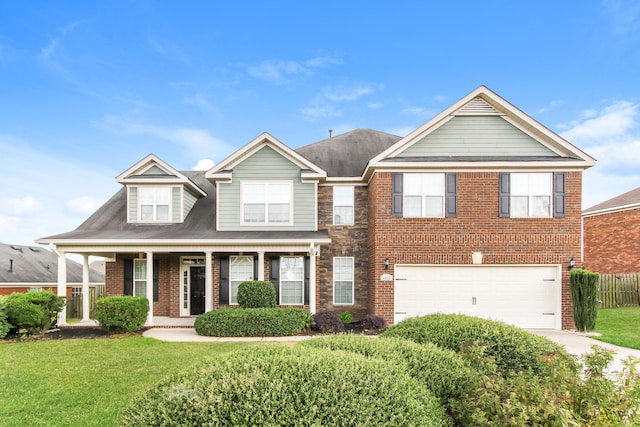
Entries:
{"x":133,"y":284}
{"x":266,"y":211}
{"x":423,"y":195}
{"x":353,"y":282}
{"x":530,"y":196}
{"x":352,"y":205}
{"x":231,"y":274}
{"x":280,"y":275}
{"x":155,"y":221}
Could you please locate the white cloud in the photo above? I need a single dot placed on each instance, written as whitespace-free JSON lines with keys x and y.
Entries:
{"x":612,"y":121}
{"x":418,"y":111}
{"x":375,"y":105}
{"x":320,"y":111}
{"x":198,"y":100}
{"x":346,"y":93}
{"x":203,"y":165}
{"x":325,"y":103}
{"x":23,"y":205}
{"x":279,"y":71}
{"x":199,"y":142}
{"x":553,"y":104}
{"x":85,"y":205}
{"x":440,"y":98}
{"x":48,"y":51}
{"x":612,"y":136}
{"x":403,"y":131}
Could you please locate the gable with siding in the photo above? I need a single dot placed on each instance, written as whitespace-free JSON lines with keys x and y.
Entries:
{"x":266,"y":164}
{"x":483,"y":135}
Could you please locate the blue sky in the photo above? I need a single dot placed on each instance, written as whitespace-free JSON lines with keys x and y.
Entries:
{"x":89,"y":88}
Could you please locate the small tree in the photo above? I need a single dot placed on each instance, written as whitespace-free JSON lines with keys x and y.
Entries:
{"x":584,"y":293}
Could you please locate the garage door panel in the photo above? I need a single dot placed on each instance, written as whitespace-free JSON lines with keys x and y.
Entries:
{"x":526,"y":296}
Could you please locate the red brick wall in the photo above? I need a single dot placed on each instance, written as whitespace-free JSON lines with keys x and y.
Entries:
{"x":612,"y":242}
{"x":346,"y":241}
{"x":477,"y":228}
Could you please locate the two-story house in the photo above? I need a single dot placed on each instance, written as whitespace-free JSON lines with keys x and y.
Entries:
{"x":477,"y":211}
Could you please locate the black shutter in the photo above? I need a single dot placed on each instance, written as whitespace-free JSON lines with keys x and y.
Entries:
{"x":451,"y":197}
{"x":274,"y":276}
{"x":156,"y":269}
{"x":255,"y":268}
{"x":396,"y":190}
{"x":307,"y":264}
{"x":559,"y":190}
{"x":128,"y":277}
{"x":505,"y":195}
{"x":224,"y":280}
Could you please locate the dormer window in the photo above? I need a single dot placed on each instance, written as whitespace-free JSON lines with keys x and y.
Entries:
{"x":154,"y":204}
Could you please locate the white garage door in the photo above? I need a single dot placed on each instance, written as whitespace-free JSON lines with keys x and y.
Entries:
{"x":525,"y":296}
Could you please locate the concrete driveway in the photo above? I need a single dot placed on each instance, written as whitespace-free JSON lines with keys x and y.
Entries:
{"x":579,"y":344}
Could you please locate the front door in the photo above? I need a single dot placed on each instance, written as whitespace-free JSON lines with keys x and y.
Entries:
{"x":197,"y":276}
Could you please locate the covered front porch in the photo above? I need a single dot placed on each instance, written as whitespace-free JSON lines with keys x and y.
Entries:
{"x":171,"y":290}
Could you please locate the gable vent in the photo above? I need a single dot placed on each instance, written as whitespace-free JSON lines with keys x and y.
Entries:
{"x":477,"y":107}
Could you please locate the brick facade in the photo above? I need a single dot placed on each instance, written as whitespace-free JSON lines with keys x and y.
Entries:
{"x":476,"y":227}
{"x":612,"y":242}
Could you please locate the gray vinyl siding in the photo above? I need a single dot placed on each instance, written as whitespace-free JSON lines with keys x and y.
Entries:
{"x":189,"y":201}
{"x":477,"y":136}
{"x":133,"y":204}
{"x":154,"y":170}
{"x":176,"y":204}
{"x":267,"y":165}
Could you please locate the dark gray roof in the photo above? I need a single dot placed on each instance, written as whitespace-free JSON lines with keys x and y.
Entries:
{"x":629,"y":198}
{"x":38,"y":265}
{"x":109,"y":222}
{"x":347,"y":155}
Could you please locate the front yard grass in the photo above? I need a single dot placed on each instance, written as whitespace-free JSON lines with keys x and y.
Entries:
{"x":88,"y":382}
{"x":619,"y":326}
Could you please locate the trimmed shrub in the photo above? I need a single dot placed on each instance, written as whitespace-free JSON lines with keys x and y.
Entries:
{"x":278,"y":385}
{"x":121,"y":314}
{"x":327,"y":321}
{"x":253,"y":322}
{"x":33,"y":312}
{"x":514,"y":349}
{"x":256,"y":294}
{"x":4,"y":325}
{"x":444,"y":372}
{"x":371,"y":322}
{"x":584,"y":293}
{"x":346,"y":317}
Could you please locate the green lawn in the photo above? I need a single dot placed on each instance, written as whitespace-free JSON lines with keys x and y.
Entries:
{"x":87,"y":382}
{"x":619,"y":326}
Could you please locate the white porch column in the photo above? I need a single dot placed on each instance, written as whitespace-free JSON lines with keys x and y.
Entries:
{"x":313,"y":252}
{"x":261,"y":266}
{"x":208,"y":281}
{"x":85,"y":287}
{"x":62,"y":285}
{"x":150,"y":288}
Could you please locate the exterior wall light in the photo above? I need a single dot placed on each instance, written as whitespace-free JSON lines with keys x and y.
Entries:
{"x":572,"y":264}
{"x":386,"y":263}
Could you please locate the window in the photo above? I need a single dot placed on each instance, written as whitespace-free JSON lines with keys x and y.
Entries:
{"x":291,"y":280}
{"x":266,"y":203}
{"x":154,"y":204}
{"x":423,"y":195}
{"x":343,"y":280}
{"x":241,"y":271}
{"x":140,"y":277}
{"x":343,"y":205}
{"x":530,"y":195}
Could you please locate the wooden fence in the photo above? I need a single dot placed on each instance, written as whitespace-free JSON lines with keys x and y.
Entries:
{"x":74,"y":303}
{"x":619,"y":290}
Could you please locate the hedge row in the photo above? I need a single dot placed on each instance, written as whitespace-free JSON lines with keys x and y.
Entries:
{"x":512,"y":348}
{"x":252,"y":322}
{"x":278,"y":385}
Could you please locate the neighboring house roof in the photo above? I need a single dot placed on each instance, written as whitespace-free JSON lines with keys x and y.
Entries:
{"x":628,"y":200}
{"x":347,"y":155}
{"x":34,"y":265}
{"x":109,"y":223}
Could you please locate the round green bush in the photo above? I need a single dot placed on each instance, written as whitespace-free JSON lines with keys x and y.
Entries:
{"x":4,"y":325}
{"x":252,"y":322}
{"x":256,"y":294}
{"x":33,"y":312}
{"x":121,"y":314}
{"x":442,"y":371}
{"x":513,"y":349}
{"x":283,"y":386}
